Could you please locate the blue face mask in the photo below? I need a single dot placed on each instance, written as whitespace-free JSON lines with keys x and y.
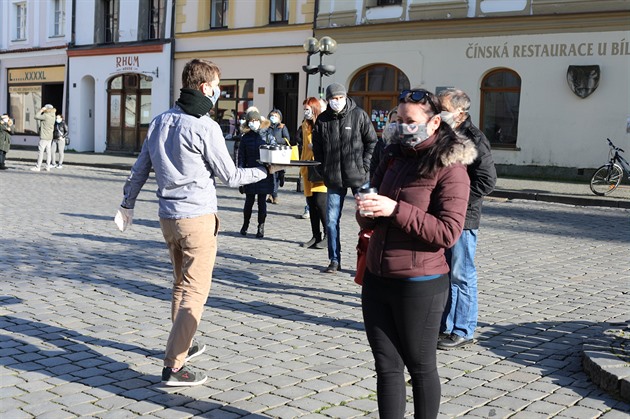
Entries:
{"x":216,"y":94}
{"x":274,"y":119}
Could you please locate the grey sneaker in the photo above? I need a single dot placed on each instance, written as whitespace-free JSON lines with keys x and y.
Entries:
{"x":194,"y":350}
{"x":182,"y":378}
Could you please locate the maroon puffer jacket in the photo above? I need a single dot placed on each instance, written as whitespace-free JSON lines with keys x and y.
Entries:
{"x":430,"y":214}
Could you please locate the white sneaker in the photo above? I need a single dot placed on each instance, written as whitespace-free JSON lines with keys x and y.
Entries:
{"x":306,"y":214}
{"x":59,"y":166}
{"x":48,"y":168}
{"x":35,"y":169}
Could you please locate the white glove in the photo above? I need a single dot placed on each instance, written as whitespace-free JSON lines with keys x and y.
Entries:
{"x":124,"y":218}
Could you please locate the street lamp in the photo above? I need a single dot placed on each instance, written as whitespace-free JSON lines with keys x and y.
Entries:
{"x":325,"y":46}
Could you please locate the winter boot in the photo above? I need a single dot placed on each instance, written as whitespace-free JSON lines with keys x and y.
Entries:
{"x":261,"y":231}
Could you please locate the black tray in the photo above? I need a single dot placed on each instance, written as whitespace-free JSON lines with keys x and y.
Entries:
{"x":294,"y":163}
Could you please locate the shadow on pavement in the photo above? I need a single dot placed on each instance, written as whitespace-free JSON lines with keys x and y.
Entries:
{"x":70,"y":356}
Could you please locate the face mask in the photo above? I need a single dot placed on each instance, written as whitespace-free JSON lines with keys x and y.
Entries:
{"x":337,"y":105}
{"x":449,"y":118}
{"x":5,"y":121}
{"x":254,"y":125}
{"x":308,"y":114}
{"x":274,"y":119}
{"x":409,"y":135}
{"x":216,"y":93}
{"x":58,"y":119}
{"x":241,"y":121}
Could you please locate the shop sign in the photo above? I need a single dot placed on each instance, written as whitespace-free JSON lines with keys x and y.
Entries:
{"x":125,"y":63}
{"x":37,"y":75}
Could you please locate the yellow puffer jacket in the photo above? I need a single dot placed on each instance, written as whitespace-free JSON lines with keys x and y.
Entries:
{"x":307,"y":154}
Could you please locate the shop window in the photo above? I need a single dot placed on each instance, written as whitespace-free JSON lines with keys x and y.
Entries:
{"x":59,"y":18}
{"x":20,"y":21}
{"x":376,"y":89}
{"x":236,"y":96}
{"x":500,"y":99}
{"x":218,"y":14}
{"x":278,"y":11}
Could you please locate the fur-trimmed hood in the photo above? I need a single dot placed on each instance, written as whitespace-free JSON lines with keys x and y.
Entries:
{"x":264,"y":124}
{"x":462,"y":150}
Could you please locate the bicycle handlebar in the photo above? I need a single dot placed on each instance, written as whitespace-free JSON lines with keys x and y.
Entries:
{"x":614,"y":147}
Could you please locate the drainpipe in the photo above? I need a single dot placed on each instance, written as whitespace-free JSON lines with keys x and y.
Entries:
{"x":172,"y":41}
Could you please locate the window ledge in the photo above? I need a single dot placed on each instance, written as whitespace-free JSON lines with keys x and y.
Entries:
{"x":506,"y":147}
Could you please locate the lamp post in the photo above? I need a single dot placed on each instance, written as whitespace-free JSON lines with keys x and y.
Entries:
{"x":324,"y":46}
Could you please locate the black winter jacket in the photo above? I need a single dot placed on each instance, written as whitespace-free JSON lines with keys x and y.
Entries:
{"x":482,"y":173}
{"x":248,"y":154}
{"x":343,"y":142}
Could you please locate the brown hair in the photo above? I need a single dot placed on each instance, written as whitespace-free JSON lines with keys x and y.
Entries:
{"x":198,"y":71}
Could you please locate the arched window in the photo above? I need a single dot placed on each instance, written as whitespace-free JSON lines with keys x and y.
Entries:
{"x":500,"y":98}
{"x":376,"y":89}
{"x":129,"y":112}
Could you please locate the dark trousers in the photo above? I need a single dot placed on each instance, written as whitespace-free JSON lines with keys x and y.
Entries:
{"x":317,"y":210}
{"x":249,"y":205}
{"x":3,"y":156}
{"x":402,"y":322}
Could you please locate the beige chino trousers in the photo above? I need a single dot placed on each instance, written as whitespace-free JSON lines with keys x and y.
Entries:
{"x":192,"y":245}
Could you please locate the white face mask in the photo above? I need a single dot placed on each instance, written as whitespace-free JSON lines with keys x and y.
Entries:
{"x":274,"y":119}
{"x":58,"y":119}
{"x":254,"y":125}
{"x":449,"y":118}
{"x":241,"y":121}
{"x":337,"y":105}
{"x":308,"y":114}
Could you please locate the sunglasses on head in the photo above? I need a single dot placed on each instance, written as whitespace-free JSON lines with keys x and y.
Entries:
{"x":417,"y":96}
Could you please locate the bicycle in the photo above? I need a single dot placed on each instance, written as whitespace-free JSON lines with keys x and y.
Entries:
{"x":607,"y":177}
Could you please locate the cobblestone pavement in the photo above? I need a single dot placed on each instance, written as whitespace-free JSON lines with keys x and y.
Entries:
{"x":84,"y":310}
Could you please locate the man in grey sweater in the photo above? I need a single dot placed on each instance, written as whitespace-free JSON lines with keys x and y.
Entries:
{"x":186,"y":149}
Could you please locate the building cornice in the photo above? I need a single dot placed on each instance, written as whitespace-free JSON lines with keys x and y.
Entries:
{"x":32,"y":49}
{"x":116,"y":50}
{"x":244,"y":31}
{"x":480,"y":27}
{"x":239,"y":52}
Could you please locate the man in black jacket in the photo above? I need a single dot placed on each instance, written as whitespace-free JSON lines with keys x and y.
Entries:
{"x":460,"y":318}
{"x":343,"y":141}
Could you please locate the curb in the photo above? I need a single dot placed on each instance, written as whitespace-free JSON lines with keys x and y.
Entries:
{"x":560,"y":199}
{"x":606,"y":360}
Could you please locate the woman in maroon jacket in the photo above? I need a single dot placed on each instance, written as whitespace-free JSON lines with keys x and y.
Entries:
{"x":418,"y":212}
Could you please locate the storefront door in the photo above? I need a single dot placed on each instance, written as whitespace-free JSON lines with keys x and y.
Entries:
{"x":129,"y":112}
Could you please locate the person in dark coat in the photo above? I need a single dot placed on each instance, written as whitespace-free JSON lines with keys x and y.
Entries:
{"x":254,"y":135}
{"x":343,"y":141}
{"x":418,"y":212}
{"x":460,"y":317}
{"x":281,"y":133}
{"x":6,"y":129}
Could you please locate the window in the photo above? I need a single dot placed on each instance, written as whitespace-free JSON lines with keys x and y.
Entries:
{"x":156,"y":18}
{"x":236,"y":96}
{"x":151,"y":19}
{"x":59,"y":18}
{"x":111,"y":9}
{"x":218,"y":14}
{"x":278,"y":11}
{"x":376,"y":89}
{"x":20,"y":21}
{"x":387,"y":2}
{"x":500,"y":98}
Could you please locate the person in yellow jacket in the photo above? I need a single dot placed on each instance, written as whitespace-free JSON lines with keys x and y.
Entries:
{"x":314,"y":188}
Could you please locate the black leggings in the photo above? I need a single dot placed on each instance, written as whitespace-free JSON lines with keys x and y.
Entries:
{"x":317,"y":210}
{"x":249,"y":205}
{"x":402,"y":322}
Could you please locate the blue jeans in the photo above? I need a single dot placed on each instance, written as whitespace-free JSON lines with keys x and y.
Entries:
{"x":334,"y":207}
{"x":460,"y":316}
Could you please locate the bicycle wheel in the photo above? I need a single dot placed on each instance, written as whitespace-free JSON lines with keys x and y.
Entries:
{"x":606,"y":179}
